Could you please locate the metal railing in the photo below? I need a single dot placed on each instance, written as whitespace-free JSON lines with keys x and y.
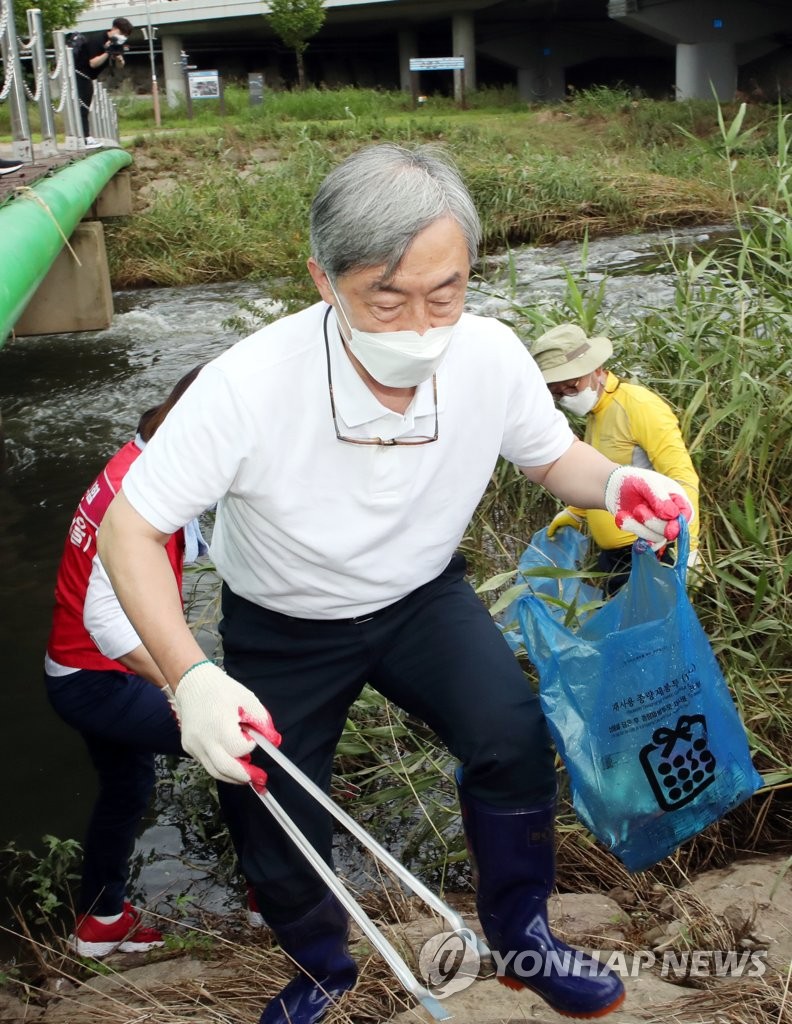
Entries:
{"x":62,"y":81}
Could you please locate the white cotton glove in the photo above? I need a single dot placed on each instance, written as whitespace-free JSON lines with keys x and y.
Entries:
{"x":212,"y":709}
{"x":566,"y":517}
{"x":647,"y":504}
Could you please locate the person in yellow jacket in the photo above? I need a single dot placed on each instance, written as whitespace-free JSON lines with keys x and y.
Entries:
{"x":628,"y":423}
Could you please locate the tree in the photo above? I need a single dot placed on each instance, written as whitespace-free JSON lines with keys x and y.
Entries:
{"x":54,"y":14}
{"x":296,"y":21}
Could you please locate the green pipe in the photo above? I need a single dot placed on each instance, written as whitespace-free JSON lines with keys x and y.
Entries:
{"x":33,"y":224}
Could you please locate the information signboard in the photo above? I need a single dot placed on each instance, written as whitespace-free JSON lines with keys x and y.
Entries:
{"x":437,"y":63}
{"x":256,"y":88}
{"x":204,"y":85}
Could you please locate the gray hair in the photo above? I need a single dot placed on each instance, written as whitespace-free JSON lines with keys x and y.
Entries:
{"x":370,"y":208}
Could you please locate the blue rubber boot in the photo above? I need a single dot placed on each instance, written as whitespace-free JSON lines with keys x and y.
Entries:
{"x":317,"y":943}
{"x":513,"y":857}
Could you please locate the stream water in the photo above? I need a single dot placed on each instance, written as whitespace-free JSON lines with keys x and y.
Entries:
{"x":69,"y":401}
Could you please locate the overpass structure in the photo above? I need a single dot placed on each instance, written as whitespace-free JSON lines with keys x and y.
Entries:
{"x":687,"y":48}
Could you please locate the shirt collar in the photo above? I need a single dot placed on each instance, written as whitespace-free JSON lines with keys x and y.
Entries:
{"x":356,"y":405}
{"x":605,"y":399}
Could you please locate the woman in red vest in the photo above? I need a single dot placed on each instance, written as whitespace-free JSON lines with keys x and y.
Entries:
{"x":99,"y":680}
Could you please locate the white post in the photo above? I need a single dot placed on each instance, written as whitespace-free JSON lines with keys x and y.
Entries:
{"x":70,"y":101}
{"x":20,"y":126}
{"x":154,"y":84}
{"x":49,"y":144}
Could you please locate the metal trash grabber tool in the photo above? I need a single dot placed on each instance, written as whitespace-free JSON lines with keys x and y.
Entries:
{"x":377,"y":939}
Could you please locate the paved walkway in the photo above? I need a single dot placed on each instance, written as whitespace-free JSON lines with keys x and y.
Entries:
{"x":28,"y":174}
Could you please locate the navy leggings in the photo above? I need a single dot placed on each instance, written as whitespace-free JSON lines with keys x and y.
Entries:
{"x":124,"y":721}
{"x":437,"y":654}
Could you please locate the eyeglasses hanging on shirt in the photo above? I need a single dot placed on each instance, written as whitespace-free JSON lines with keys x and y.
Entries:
{"x":404,"y":442}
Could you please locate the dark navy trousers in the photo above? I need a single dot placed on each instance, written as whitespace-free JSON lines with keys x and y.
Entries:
{"x":124,"y":722}
{"x":437,"y":654}
{"x":617,"y":562}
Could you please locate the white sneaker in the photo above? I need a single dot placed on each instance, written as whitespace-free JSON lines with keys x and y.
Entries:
{"x":9,"y":166}
{"x":92,"y":143}
{"x":255,"y":918}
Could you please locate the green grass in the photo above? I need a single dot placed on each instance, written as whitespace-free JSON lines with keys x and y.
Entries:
{"x":596,"y":165}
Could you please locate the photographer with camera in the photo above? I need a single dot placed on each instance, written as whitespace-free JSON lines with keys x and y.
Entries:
{"x":92,"y":54}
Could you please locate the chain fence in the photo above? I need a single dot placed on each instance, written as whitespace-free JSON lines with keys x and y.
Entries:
{"x":27,"y":81}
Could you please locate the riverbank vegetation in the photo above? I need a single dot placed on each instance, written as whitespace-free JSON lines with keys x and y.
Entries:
{"x":720,"y":352}
{"x":228,"y":198}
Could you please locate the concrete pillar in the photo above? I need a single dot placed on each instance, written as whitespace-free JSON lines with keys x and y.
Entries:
{"x":702,"y":67}
{"x":174,"y":76}
{"x":463,"y":43}
{"x":115,"y":199}
{"x":73,"y":296}
{"x":408,"y":47}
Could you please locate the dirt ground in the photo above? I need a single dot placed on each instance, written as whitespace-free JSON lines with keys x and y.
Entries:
{"x":673,"y":963}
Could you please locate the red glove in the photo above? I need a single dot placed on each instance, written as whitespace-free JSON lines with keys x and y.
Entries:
{"x":647,"y":504}
{"x":258,"y":777}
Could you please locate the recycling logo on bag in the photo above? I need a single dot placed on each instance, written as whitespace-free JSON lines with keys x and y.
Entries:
{"x":678,"y":763}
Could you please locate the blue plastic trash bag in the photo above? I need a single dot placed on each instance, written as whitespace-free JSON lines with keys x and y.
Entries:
{"x":640,"y":713}
{"x":566,"y":549}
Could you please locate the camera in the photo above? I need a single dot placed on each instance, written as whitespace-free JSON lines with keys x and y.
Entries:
{"x":117,"y":46}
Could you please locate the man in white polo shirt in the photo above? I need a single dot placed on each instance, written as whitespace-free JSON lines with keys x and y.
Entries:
{"x":347,"y":447}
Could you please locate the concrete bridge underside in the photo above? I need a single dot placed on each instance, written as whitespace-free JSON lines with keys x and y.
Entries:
{"x":682,"y":48}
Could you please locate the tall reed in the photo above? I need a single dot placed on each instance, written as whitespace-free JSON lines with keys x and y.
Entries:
{"x":721,"y":354}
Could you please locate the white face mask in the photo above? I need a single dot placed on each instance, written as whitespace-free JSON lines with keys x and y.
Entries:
{"x":119,"y":40}
{"x":580,"y":404}
{"x":397,"y":359}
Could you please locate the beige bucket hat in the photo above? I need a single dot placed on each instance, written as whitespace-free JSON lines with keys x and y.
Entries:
{"x":565,"y":353}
